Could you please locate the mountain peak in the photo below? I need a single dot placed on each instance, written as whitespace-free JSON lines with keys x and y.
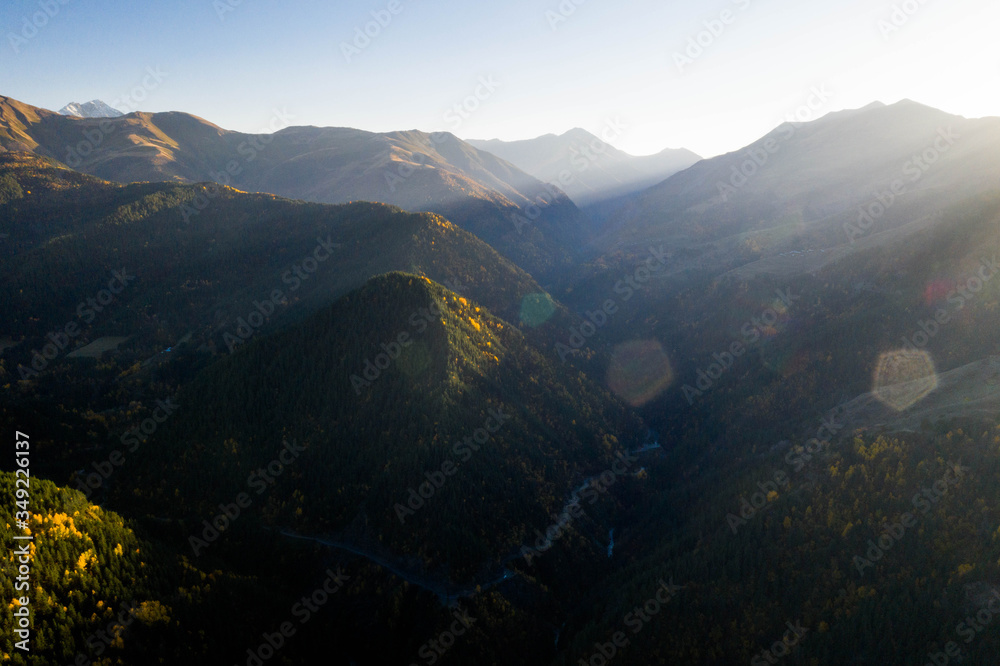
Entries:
{"x":95,"y":108}
{"x":911,"y":104}
{"x":578,"y":133}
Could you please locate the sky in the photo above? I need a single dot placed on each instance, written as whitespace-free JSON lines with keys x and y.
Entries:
{"x":646,"y":75}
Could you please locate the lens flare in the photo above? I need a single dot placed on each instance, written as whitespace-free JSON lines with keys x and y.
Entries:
{"x":639,"y":371}
{"x":936,"y":291}
{"x":536,"y":309}
{"x":904,"y":378}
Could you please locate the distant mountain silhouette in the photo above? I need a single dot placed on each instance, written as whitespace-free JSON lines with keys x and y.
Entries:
{"x":534,"y":224}
{"x":589,"y":169}
{"x":835,"y":181}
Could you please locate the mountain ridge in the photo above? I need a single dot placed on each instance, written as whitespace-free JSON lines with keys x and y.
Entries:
{"x":452,"y":370}
{"x":589,"y":168}
{"x":479,"y":192}
{"x":140,"y":226}
{"x":819,"y":178}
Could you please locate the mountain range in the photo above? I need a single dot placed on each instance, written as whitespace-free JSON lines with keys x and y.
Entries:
{"x":413,"y":170}
{"x":834,"y":182}
{"x":587,"y":167}
{"x":82,"y":229}
{"x":743,"y":413}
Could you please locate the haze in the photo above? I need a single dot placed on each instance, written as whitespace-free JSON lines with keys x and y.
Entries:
{"x":554,"y":66}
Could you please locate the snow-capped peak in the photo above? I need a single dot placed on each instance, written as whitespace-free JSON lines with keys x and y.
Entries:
{"x":92,"y":109}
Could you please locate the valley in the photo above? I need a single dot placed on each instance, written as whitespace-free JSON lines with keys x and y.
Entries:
{"x":643,"y":409}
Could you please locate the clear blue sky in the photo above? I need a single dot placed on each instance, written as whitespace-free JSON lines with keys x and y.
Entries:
{"x":607,"y":59}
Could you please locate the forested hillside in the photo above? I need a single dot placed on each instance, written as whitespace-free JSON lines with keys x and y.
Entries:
{"x":400,"y":385}
{"x":529,"y":222}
